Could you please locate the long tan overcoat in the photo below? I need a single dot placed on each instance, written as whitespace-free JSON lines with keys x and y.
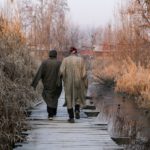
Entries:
{"x":73,"y":71}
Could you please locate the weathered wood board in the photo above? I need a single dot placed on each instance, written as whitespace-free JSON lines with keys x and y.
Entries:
{"x":58,"y":134}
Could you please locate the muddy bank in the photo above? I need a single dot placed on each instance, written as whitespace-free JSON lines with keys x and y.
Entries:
{"x":127,"y":124}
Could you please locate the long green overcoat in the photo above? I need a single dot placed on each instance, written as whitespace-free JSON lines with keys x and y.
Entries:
{"x":48,"y":73}
{"x":73,"y":71}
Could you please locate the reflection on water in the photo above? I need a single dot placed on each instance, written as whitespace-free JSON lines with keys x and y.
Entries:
{"x":127,"y":124}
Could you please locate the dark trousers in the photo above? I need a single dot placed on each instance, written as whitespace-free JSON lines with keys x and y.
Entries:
{"x":51,"y":111}
{"x":77,"y":108}
{"x":71,"y":113}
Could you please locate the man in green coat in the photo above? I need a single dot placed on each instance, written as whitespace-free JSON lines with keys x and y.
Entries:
{"x":48,"y":73}
{"x":73,"y":72}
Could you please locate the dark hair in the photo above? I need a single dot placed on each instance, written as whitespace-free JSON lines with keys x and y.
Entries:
{"x":73,"y":49}
{"x":53,"y":53}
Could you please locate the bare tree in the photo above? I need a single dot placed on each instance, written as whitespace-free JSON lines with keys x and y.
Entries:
{"x":132,"y":36}
{"x":93,"y":37}
{"x":44,"y":22}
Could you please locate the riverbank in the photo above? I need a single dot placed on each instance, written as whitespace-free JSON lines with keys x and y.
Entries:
{"x":128,"y":79}
{"x":127,"y":124}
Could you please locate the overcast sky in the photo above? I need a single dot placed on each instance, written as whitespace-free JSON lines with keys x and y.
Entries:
{"x":92,"y":12}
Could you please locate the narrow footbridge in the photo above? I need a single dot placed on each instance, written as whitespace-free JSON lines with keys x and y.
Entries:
{"x":57,"y":134}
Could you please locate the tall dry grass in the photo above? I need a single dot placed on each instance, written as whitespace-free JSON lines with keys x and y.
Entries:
{"x":136,"y":82}
{"x":104,"y":71}
{"x":127,"y":77}
{"x":129,"y":64}
{"x":16,"y":72}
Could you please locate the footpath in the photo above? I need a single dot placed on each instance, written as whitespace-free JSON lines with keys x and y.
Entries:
{"x":57,"y":134}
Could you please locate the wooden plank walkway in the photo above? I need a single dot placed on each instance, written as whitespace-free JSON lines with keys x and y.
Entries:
{"x":58,"y":134}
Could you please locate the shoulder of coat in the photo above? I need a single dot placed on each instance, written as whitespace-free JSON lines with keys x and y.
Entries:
{"x":44,"y":61}
{"x":66,"y":58}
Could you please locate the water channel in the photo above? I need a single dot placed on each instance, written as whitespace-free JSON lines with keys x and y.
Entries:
{"x":128,"y":125}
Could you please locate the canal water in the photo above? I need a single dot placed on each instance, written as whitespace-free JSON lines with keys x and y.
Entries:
{"x":128,"y":125}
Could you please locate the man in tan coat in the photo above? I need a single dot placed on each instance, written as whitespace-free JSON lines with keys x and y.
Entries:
{"x":73,"y":72}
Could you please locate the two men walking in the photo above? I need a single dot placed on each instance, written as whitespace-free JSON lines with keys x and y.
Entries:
{"x":73,"y":72}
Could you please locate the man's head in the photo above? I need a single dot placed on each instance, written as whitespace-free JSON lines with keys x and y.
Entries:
{"x":53,"y":53}
{"x":73,"y":50}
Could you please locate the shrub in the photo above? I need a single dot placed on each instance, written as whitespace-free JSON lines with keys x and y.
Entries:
{"x":16,"y":71}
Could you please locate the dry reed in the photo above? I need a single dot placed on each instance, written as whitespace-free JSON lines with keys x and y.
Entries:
{"x":129,"y":65}
{"x":16,"y":72}
{"x":129,"y":78}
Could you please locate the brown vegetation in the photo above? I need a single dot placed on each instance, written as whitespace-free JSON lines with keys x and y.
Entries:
{"x":135,"y":81}
{"x":16,"y":71}
{"x":129,"y":66}
{"x":44,"y":23}
{"x":104,"y":71}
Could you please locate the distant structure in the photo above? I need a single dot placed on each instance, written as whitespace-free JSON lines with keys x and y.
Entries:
{"x":85,"y":52}
{"x":102,"y":50}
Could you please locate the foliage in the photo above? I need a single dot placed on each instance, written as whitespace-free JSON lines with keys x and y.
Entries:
{"x":127,"y":77}
{"x":129,"y":66}
{"x":45,"y":23}
{"x":104,"y":71}
{"x":132,"y":33}
{"x":135,"y":81}
{"x":16,"y":71}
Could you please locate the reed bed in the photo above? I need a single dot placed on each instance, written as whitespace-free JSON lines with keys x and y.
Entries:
{"x":129,"y":64}
{"x":128,"y":78}
{"x":16,"y":72}
{"x":136,"y":82}
{"x":104,"y":71}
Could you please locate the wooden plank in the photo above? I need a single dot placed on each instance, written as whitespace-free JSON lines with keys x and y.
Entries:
{"x":84,"y":134}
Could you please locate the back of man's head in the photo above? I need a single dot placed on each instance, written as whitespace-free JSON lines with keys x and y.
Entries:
{"x":53,"y":53}
{"x":73,"y":50}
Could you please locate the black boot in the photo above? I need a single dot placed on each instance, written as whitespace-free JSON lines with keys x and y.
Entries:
{"x":65,"y":104}
{"x":50,"y":113}
{"x":77,"y":111}
{"x":71,"y":115}
{"x":54,"y":111}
